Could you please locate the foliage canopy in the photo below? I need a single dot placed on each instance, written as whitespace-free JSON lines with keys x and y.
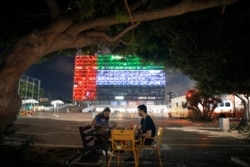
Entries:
{"x":210,"y":46}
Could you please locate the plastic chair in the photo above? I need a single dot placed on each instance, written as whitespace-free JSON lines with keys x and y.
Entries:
{"x":124,"y":140}
{"x":155,"y":145}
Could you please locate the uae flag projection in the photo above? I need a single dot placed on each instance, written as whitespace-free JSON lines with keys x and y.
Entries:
{"x":85,"y":77}
{"x":101,"y":71}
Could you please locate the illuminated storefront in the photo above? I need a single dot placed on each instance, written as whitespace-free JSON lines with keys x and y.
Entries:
{"x":112,"y":79}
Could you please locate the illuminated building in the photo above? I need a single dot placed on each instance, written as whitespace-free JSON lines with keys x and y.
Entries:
{"x":117,"y":80}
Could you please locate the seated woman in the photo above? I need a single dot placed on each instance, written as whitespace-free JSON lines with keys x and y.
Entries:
{"x":102,"y":120}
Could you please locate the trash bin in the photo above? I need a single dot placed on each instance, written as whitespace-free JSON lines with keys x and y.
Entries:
{"x":224,"y":124}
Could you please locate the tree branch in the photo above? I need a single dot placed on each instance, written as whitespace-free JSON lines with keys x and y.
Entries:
{"x":107,"y":38}
{"x":154,"y":14}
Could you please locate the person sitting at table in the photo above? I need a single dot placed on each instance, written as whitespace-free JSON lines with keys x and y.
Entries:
{"x":102,"y":119}
{"x":146,"y":128}
{"x":101,"y":123}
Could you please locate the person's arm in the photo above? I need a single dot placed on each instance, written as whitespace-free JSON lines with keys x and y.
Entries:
{"x":93,"y":122}
{"x":146,"y":130}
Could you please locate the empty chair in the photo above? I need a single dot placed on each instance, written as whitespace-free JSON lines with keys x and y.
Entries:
{"x":155,"y":146}
{"x":123,"y":140}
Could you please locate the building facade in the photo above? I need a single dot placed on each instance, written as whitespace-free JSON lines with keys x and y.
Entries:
{"x":117,"y":80}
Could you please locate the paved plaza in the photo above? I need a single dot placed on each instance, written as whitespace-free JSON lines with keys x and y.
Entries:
{"x":185,"y":144}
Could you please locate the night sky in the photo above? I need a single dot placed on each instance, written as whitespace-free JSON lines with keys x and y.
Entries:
{"x":56,"y":78}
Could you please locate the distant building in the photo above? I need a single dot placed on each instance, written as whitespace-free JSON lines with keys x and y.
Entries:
{"x":176,"y":107}
{"x":178,"y":101}
{"x":117,"y":80}
{"x":29,"y":87}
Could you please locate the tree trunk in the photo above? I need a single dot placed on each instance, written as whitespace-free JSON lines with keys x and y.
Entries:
{"x":10,"y":102}
{"x":23,"y":55}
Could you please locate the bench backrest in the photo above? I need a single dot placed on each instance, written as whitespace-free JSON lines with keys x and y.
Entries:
{"x":87,"y":135}
{"x":92,"y":141}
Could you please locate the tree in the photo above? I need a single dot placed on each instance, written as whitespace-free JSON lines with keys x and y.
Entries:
{"x":31,"y":30}
{"x":211,"y":47}
{"x":200,"y":105}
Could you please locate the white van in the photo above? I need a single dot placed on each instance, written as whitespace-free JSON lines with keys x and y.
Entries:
{"x":224,"y":106}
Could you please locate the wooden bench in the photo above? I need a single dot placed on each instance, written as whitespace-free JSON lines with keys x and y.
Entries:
{"x":92,"y":144}
{"x":92,"y":141}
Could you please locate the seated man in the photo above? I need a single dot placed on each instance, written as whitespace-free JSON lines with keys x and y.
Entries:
{"x":146,"y":128}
